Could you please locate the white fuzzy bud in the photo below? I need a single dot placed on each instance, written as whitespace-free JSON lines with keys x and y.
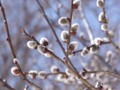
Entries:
{"x":48,"y":54}
{"x":44,"y":41}
{"x":42,"y":74}
{"x":111,"y":33}
{"x":98,"y":41}
{"x":42,"y":49}
{"x":84,"y":51}
{"x":105,"y":39}
{"x":54,"y":69}
{"x":15,"y":71}
{"x":74,"y":28}
{"x":62,"y":77}
{"x":32,"y":74}
{"x":109,"y":54}
{"x":26,"y":88}
{"x":82,"y":35}
{"x":32,"y":44}
{"x":64,"y":35}
{"x":73,"y":45}
{"x":104,"y":27}
{"x":63,"y":21}
{"x":15,"y":60}
{"x":100,"y":3}
{"x":101,"y":17}
{"x":94,"y":49}
{"x":68,"y":72}
{"x":76,"y":4}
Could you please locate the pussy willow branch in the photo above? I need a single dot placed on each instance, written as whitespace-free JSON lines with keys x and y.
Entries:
{"x":104,"y":43}
{"x":57,"y":39}
{"x":88,"y":29}
{"x":6,"y":84}
{"x":33,"y":38}
{"x":68,"y":66}
{"x":70,"y":22}
{"x":53,"y":30}
{"x":59,"y":59}
{"x":68,"y":42}
{"x":104,"y":72}
{"x":7,"y":31}
{"x":12,"y":49}
{"x":104,"y":11}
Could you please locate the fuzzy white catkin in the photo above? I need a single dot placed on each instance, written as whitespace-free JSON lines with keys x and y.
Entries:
{"x":44,"y":41}
{"x":15,"y":71}
{"x":77,"y":3}
{"x":61,"y":77}
{"x":75,"y":27}
{"x":42,"y":74}
{"x":100,"y":3}
{"x":15,"y":60}
{"x":54,"y":69}
{"x":32,"y":74}
{"x":94,"y":49}
{"x":84,"y":51}
{"x":73,"y":45}
{"x":48,"y":53}
{"x":105,"y":39}
{"x":104,"y":27}
{"x":64,"y":36}
{"x":63,"y":21}
{"x":101,"y":17}
{"x":41,"y":49}
{"x":111,"y":33}
{"x":98,"y":41}
{"x":31,"y":44}
{"x":109,"y":53}
{"x":68,"y":72}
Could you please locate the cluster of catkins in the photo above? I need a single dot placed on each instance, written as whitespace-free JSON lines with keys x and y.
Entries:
{"x":66,"y":77}
{"x":103,"y":18}
{"x":65,"y":34}
{"x":41,"y":46}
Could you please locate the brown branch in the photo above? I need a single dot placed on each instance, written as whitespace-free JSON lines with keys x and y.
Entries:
{"x":64,"y":63}
{"x":57,"y":39}
{"x":68,"y":42}
{"x":12,"y":49}
{"x":104,"y":72}
{"x":6,"y":84}
{"x":69,"y":66}
{"x":53,"y":30}
{"x":113,"y":43}
{"x":33,"y":38}
{"x":7,"y":31}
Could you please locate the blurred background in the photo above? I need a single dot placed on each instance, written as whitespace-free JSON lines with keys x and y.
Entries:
{"x":27,"y":14}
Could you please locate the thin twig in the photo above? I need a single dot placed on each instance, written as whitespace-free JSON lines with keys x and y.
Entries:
{"x":68,"y":42}
{"x":104,"y":72}
{"x":6,"y":84}
{"x":12,"y":49}
{"x":104,"y":11}
{"x":88,"y":29}
{"x":53,"y":30}
{"x":7,"y":31}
